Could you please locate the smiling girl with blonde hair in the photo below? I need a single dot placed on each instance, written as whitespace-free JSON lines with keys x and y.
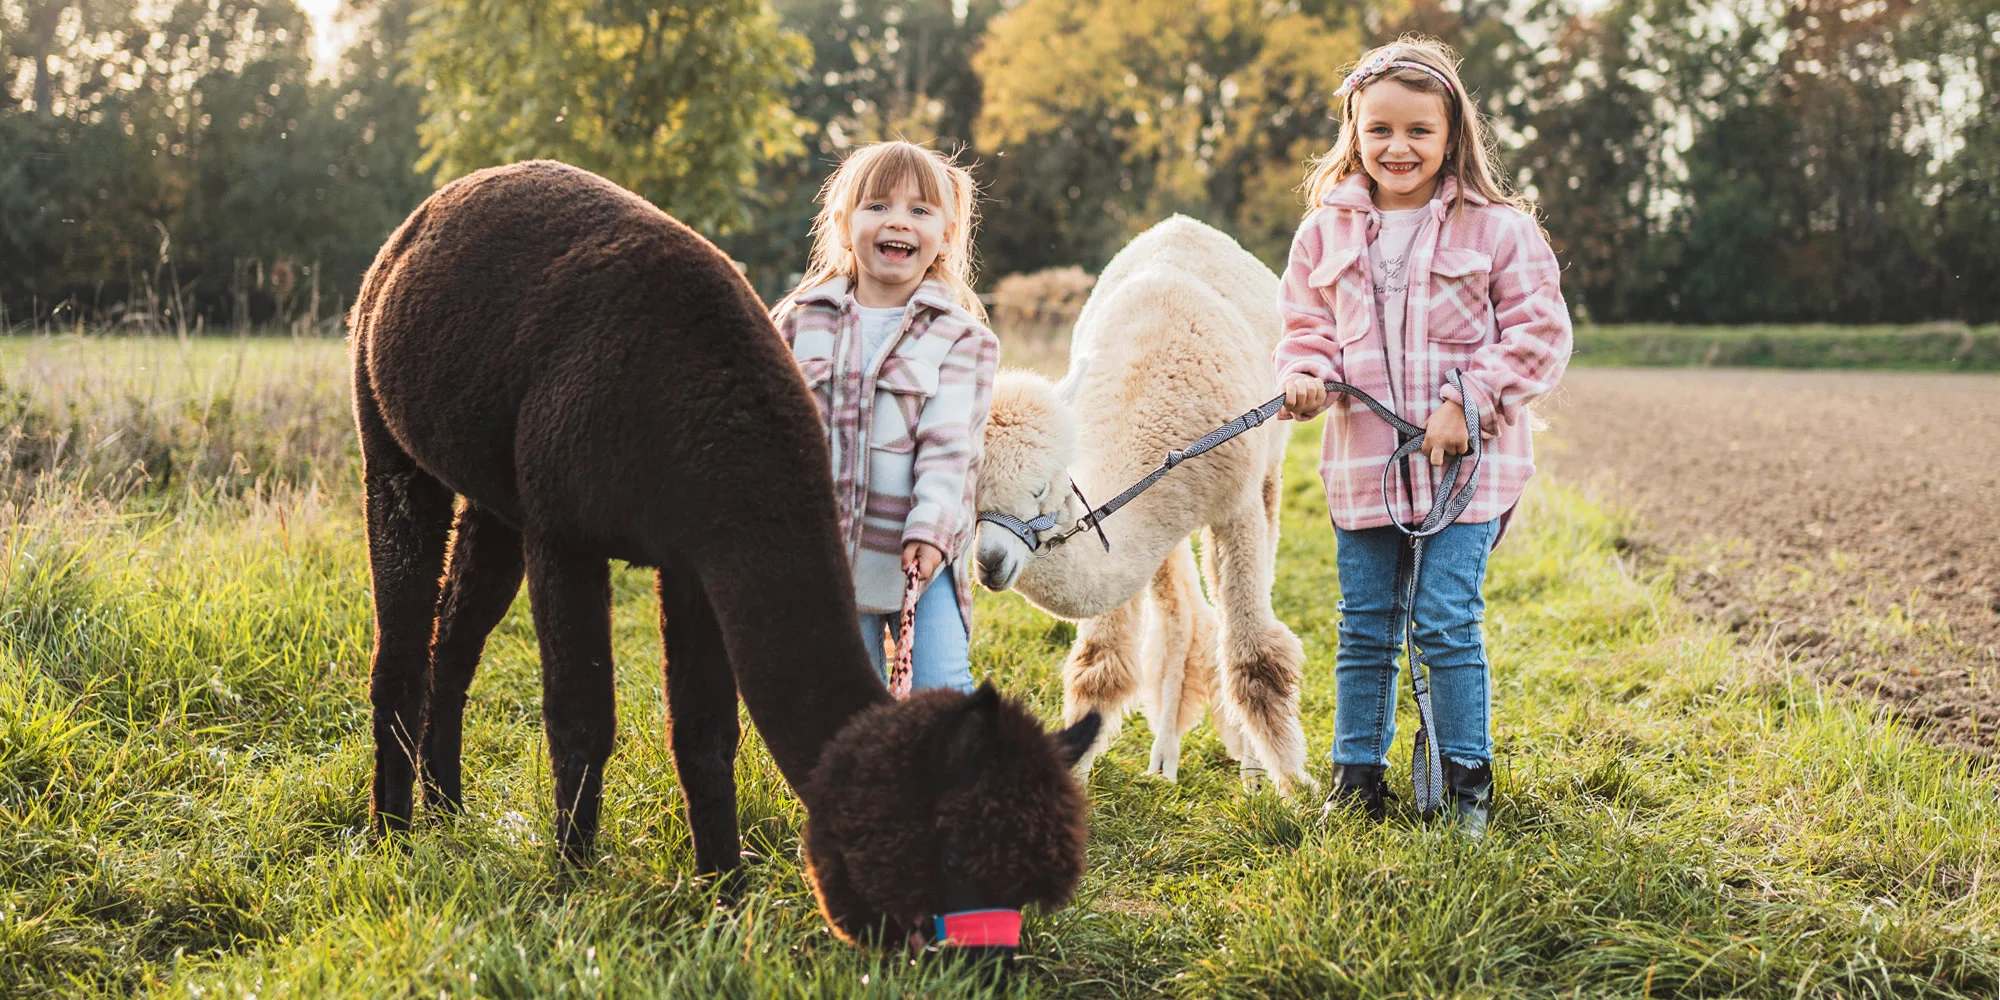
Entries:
{"x":1430,"y":68}
{"x":1413,"y":261}
{"x":893,"y":343}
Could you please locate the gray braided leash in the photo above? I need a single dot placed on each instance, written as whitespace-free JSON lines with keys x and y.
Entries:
{"x":1446,"y":508}
{"x":1426,"y":771}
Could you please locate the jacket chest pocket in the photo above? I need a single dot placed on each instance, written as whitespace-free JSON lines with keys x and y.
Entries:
{"x":1343,"y":285}
{"x":1460,"y":310}
{"x":818,"y":371}
{"x":902,"y":389}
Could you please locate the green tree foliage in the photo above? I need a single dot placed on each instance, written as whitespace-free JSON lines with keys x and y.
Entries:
{"x":1961,"y":38}
{"x":1593,"y":141}
{"x":1772,"y":160}
{"x":379,"y":105}
{"x":678,"y":102}
{"x":1693,"y":160}
{"x":33,"y":34}
{"x":183,"y":166}
{"x":881,"y":69}
{"x":1841,"y":82}
{"x":1105,"y":115}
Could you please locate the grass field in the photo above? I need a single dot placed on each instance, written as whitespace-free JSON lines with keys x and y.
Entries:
{"x":1919,"y":347}
{"x":1939,"y":346}
{"x":184,"y":755}
{"x":212,"y":418}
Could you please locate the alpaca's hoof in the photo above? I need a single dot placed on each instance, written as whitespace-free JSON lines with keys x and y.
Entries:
{"x":1251,"y":771}
{"x":1284,"y":785}
{"x":730,"y":887}
{"x":1166,"y":760}
{"x":1083,"y":766}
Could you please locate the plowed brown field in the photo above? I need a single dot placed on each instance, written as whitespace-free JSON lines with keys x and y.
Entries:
{"x":1853,"y":519}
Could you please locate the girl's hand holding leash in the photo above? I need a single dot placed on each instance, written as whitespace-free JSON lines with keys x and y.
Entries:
{"x":1444,"y":433}
{"x":921,"y":559}
{"x":1305,"y":397}
{"x":920,"y":562}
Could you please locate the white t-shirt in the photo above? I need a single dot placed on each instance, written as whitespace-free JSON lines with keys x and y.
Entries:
{"x":878,"y":324}
{"x":1389,"y":265}
{"x":878,"y":578}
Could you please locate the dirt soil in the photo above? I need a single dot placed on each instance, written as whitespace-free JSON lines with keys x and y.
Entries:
{"x":1852,"y":519}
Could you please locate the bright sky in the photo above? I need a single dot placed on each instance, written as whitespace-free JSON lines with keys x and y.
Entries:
{"x":328,"y":37}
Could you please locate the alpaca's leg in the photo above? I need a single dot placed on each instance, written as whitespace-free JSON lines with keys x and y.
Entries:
{"x":481,"y":578}
{"x":1100,"y":675}
{"x":701,"y":717}
{"x":1273,"y":495}
{"x":570,"y":593}
{"x":1228,"y":724}
{"x":1221,"y":709}
{"x":1198,"y":677}
{"x":1160,"y":670}
{"x":1179,"y":659}
{"x":409,"y":518}
{"x":1261,"y":657}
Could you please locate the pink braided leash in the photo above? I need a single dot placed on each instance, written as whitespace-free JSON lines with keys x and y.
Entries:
{"x":899,"y":674}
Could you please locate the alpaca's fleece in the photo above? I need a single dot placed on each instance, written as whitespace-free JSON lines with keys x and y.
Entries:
{"x":1035,"y":447}
{"x":587,"y":379}
{"x":901,"y":782}
{"x":1024,"y":470}
{"x":1175,"y":340}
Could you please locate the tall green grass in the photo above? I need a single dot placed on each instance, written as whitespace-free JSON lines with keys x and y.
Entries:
{"x":166,"y":419}
{"x":184,"y":756}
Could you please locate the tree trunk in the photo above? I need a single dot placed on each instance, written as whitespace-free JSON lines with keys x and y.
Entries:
{"x":42,"y":23}
{"x":42,"y":86}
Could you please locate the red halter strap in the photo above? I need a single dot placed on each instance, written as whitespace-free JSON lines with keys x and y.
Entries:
{"x":979,"y":929}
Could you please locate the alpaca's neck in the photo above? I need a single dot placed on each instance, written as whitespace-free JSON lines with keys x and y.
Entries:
{"x":795,"y":648}
{"x":1078,"y":578}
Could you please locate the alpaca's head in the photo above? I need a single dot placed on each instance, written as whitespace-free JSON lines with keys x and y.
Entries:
{"x":1029,"y":445}
{"x":944,"y":804}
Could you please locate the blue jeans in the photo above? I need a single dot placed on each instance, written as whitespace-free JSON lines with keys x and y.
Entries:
{"x":941,"y":656}
{"x":1374,"y":570}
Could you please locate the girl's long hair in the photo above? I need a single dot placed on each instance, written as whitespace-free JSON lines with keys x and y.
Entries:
{"x":878,"y":170}
{"x":1469,"y":154}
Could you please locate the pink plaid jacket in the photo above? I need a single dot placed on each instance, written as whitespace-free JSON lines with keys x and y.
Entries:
{"x":1484,"y":298}
{"x":905,"y":429}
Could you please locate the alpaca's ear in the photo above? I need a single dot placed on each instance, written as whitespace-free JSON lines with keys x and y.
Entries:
{"x":1072,"y":742}
{"x":968,"y":736}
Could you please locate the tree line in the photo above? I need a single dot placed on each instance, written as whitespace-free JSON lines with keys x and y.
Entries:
{"x":185,"y":164}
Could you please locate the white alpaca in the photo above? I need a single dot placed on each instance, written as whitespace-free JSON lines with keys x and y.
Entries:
{"x":1175,"y":340}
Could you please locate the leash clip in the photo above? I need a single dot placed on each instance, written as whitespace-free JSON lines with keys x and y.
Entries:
{"x":1090,"y":520}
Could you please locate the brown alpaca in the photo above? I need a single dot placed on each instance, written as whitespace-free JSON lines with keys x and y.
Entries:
{"x":596,"y":382}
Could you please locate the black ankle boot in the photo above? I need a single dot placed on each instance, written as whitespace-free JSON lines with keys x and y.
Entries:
{"x":1468,"y":791}
{"x":1361,"y":785}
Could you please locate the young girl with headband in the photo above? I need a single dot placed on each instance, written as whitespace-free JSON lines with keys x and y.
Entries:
{"x":1414,"y":260}
{"x":894,"y":345}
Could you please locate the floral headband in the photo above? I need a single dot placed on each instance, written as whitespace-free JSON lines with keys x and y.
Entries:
{"x":1381,"y":62}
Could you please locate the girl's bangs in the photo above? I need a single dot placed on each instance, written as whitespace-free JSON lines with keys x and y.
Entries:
{"x":898,"y":164}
